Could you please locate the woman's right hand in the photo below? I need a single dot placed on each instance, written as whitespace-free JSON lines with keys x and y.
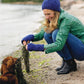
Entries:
{"x":27,"y":39}
{"x":24,"y":43}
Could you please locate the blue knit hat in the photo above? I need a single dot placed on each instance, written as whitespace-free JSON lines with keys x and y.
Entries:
{"x":51,"y":4}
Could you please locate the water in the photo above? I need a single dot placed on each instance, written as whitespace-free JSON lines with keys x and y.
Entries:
{"x":16,"y":21}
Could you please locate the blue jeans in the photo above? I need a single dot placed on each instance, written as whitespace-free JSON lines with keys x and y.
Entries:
{"x":73,"y":48}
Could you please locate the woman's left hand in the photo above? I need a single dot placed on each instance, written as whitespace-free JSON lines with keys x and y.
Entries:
{"x":35,"y":47}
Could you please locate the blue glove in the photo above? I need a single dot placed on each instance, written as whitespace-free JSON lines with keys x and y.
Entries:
{"x":28,"y":38}
{"x":35,"y":47}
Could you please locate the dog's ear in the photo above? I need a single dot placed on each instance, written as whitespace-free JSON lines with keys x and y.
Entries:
{"x":9,"y":61}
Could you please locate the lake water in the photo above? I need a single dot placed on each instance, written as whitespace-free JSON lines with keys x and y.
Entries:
{"x":16,"y":21}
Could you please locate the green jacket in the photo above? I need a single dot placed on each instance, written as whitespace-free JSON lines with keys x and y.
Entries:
{"x":66,"y":24}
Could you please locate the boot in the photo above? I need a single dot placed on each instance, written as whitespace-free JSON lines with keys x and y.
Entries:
{"x":70,"y":65}
{"x":59,"y":68}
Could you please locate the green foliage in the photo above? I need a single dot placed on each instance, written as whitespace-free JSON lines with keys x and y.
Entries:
{"x":37,"y":0}
{"x":9,"y":1}
{"x":21,"y":0}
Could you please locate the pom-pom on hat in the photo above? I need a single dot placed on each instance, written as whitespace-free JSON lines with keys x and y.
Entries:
{"x":51,"y":4}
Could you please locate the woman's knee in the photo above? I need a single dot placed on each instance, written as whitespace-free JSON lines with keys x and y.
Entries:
{"x":54,"y":34}
{"x":48,"y":37}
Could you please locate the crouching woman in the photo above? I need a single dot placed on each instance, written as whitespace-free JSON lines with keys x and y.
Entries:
{"x":64,"y":34}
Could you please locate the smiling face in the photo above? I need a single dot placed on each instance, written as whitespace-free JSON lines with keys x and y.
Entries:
{"x":49,"y":14}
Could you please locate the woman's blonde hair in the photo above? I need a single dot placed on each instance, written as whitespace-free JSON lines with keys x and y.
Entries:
{"x":52,"y":25}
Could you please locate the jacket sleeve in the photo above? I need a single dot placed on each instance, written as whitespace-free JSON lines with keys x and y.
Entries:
{"x":39,"y":36}
{"x":60,"y":38}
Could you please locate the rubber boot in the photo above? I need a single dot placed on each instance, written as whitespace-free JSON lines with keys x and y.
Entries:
{"x":69,"y":66}
{"x":59,"y":68}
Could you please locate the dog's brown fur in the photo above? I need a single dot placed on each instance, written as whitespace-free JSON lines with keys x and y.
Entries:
{"x":8,"y":71}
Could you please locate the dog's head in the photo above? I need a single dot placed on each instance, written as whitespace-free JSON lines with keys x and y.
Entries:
{"x":9,"y":63}
{"x":8,"y":71}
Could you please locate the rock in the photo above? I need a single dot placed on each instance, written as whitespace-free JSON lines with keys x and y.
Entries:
{"x":66,"y":4}
{"x":78,"y":11}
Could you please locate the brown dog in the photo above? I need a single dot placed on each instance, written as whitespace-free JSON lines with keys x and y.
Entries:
{"x":8,"y":71}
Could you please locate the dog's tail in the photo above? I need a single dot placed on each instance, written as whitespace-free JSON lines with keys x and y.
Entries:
{"x":3,"y":80}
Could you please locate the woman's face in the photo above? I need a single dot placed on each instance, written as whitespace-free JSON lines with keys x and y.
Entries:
{"x":49,"y":14}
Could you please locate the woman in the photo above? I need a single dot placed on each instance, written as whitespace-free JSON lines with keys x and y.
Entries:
{"x":64,"y":34}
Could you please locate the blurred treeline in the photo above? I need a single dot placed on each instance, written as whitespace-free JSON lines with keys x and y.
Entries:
{"x":4,"y":1}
